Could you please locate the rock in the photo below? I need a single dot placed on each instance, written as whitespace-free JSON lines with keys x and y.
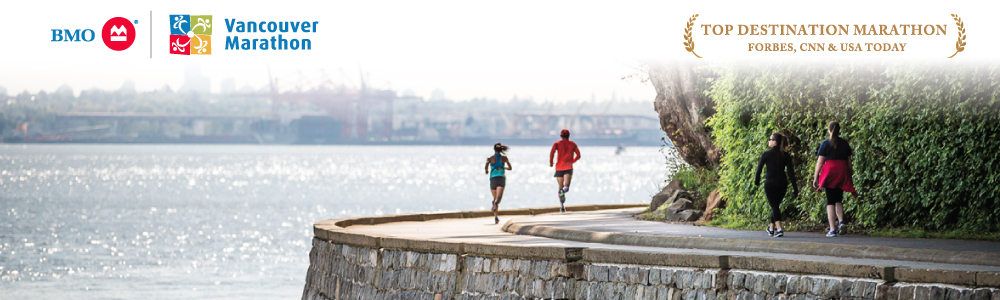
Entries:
{"x":690,"y":215}
{"x":682,"y":210}
{"x":679,"y":194}
{"x":714,"y":201}
{"x":679,"y":205}
{"x":664,"y":195}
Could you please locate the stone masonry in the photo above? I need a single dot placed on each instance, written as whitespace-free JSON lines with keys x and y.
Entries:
{"x":339,"y":271}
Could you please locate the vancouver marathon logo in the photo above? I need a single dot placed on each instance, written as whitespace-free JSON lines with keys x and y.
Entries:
{"x":191,"y":39}
{"x":191,"y":34}
{"x":278,"y":42}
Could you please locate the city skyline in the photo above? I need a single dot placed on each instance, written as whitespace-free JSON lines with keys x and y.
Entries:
{"x":195,"y":81}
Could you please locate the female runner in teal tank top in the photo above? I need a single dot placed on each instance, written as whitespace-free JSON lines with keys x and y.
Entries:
{"x":498,"y":180}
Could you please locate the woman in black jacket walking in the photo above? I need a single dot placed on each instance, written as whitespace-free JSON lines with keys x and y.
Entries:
{"x":775,"y":182}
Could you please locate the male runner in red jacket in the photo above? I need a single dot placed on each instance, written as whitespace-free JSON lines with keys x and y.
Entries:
{"x":564,"y":164}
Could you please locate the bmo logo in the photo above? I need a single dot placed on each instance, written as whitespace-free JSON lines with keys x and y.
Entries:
{"x":118,"y":34}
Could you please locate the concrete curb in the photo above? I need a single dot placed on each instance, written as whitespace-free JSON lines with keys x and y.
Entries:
{"x":784,"y":247}
{"x":335,"y":231}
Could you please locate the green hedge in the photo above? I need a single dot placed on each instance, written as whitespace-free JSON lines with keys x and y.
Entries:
{"x":926,"y":139}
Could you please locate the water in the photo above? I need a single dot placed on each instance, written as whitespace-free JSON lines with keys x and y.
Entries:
{"x":208,"y":222}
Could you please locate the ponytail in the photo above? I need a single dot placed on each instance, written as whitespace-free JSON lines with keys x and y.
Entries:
{"x":498,"y":148}
{"x":784,"y":144}
{"x":834,"y":128}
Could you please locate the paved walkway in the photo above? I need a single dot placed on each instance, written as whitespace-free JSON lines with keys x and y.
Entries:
{"x":482,"y":230}
{"x":622,"y":222}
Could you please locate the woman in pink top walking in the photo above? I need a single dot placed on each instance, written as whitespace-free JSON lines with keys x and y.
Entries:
{"x":833,"y":174}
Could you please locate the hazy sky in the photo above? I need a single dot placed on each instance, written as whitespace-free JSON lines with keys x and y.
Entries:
{"x":548,"y":50}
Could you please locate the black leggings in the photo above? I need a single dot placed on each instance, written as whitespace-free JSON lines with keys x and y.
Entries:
{"x":834,"y":196}
{"x":775,"y":193}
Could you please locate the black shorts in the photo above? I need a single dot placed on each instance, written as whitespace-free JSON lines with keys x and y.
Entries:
{"x":561,"y":173}
{"x":834,"y":196}
{"x":498,"y":181}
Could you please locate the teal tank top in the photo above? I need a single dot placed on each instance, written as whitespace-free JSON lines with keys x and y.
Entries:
{"x":496,"y":168}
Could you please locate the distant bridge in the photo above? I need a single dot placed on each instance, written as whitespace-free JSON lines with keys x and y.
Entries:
{"x":156,"y":116}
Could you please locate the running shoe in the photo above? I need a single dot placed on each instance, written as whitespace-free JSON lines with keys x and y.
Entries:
{"x":840,"y":228}
{"x":562,"y":197}
{"x":770,"y":232}
{"x":565,"y":189}
{"x":779,"y":233}
{"x":831,"y":233}
{"x":497,"y":219}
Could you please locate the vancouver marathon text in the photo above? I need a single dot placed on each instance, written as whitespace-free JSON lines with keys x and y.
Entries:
{"x":274,"y":42}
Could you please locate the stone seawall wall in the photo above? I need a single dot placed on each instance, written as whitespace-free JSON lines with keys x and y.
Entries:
{"x":346,"y":272}
{"x":341,"y":271}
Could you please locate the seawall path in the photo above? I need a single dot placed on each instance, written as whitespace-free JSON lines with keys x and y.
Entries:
{"x":599,"y":252}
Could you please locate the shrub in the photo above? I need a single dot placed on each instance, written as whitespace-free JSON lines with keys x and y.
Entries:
{"x":699,"y":181}
{"x":926,"y":139}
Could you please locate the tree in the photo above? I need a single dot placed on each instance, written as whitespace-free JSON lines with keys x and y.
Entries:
{"x":683,"y":107}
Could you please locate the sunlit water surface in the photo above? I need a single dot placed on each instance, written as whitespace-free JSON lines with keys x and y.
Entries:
{"x":208,"y":222}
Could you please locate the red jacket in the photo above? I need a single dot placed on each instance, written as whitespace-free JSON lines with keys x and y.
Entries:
{"x":566,"y":150}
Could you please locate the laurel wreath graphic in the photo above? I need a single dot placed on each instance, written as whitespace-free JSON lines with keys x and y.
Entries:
{"x":960,"y":44}
{"x":689,"y":42}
